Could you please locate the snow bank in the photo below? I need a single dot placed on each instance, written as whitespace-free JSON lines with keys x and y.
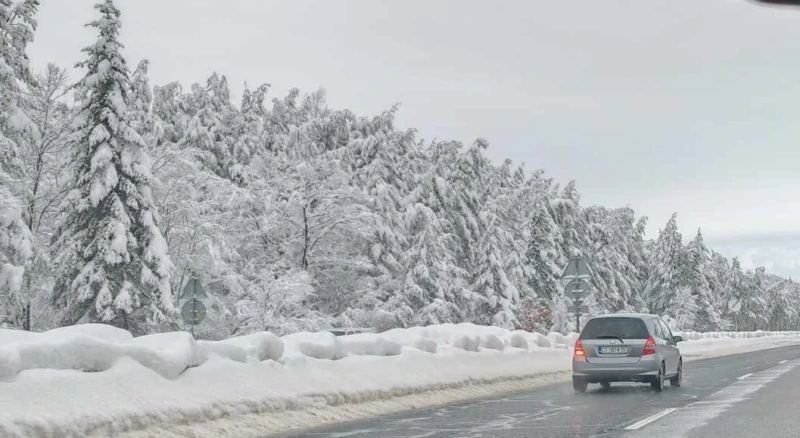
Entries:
{"x":493,"y":342}
{"x":466,"y":342}
{"x":556,"y":339}
{"x":169,"y":354}
{"x":320,"y":345}
{"x":100,"y":332}
{"x":425,"y":344}
{"x":207,"y":349}
{"x":97,"y":347}
{"x":171,"y":380}
{"x":459,"y":336}
{"x":693,"y":336}
{"x":130,"y":398}
{"x":260,"y":346}
{"x":519,"y":339}
{"x":8,"y":336}
{"x":366,"y":344}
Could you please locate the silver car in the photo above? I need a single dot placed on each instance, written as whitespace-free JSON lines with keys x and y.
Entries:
{"x":629,"y":347}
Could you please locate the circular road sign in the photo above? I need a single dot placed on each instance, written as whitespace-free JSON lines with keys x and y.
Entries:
{"x":577,"y":289}
{"x":193,"y":312}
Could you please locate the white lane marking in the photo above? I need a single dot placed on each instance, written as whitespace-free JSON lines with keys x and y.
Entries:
{"x":650,"y":419}
{"x":744,"y":377}
{"x":784,"y":361}
{"x":695,"y":414}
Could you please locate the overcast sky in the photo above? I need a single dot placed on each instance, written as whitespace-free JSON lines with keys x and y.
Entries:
{"x":664,"y":105}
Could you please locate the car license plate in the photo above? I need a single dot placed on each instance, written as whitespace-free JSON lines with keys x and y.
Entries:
{"x":613,"y":350}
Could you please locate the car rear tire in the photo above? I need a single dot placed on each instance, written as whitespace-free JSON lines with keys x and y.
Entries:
{"x":678,"y":379}
{"x":605,"y":385}
{"x":579,"y":385}
{"x":658,"y":383}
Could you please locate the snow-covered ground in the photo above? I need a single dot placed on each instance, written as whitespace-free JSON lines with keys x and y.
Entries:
{"x":95,"y":380}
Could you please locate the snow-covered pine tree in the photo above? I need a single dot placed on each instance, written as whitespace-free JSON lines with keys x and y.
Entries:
{"x":140,"y":101}
{"x":779,"y":300}
{"x":516,"y":194}
{"x":17,"y":25}
{"x":543,"y":252}
{"x":251,"y":136}
{"x":698,"y":272}
{"x":616,"y":256}
{"x":566,"y":212}
{"x":114,"y":264}
{"x":719,"y":280}
{"x":753,"y":312}
{"x":500,"y":259}
{"x":209,"y":131}
{"x":385,"y":162}
{"x":433,"y":284}
{"x":16,"y":250}
{"x":664,"y":269}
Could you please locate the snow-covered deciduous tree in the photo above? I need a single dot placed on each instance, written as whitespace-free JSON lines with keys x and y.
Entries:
{"x":45,"y":156}
{"x":44,"y":171}
{"x":114,"y":262}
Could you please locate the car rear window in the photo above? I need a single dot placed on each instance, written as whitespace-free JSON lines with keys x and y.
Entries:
{"x":623,"y":328}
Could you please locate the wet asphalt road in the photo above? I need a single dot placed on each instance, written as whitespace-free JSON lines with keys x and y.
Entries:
{"x":747,"y":395}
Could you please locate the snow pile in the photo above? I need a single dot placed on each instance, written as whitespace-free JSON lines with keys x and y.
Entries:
{"x":320,"y":345}
{"x":261,"y":345}
{"x":366,"y":344}
{"x":467,"y":337}
{"x":425,"y":344}
{"x":97,"y":347}
{"x":130,"y":397}
{"x":693,"y":336}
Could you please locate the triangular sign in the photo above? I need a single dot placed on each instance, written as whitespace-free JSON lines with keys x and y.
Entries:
{"x":577,"y":268}
{"x":193,"y":289}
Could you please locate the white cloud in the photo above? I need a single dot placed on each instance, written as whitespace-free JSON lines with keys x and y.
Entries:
{"x":779,"y":253}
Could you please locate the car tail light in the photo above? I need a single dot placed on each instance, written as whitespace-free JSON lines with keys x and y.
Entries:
{"x":579,"y":352}
{"x":649,"y":346}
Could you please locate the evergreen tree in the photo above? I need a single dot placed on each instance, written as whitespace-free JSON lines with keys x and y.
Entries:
{"x":543,"y":252}
{"x":17,"y":25}
{"x":209,"y":131}
{"x":698,"y":272}
{"x":139,"y":102}
{"x":15,"y":252}
{"x":664,"y":269}
{"x":250,"y":132}
{"x":114,"y":262}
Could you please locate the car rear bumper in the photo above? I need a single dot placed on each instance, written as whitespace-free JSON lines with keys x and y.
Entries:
{"x":642,"y":371}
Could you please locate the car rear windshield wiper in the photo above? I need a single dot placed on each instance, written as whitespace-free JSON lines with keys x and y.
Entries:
{"x":609,"y":337}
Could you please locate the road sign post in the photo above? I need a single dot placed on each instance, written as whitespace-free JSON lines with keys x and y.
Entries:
{"x":577,"y":273}
{"x":193,"y":311}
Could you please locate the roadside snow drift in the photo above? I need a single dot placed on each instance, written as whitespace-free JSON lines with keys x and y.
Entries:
{"x":98,"y":380}
{"x":97,"y":347}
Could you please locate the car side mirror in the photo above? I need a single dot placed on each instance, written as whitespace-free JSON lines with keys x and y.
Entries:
{"x":677,"y":339}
